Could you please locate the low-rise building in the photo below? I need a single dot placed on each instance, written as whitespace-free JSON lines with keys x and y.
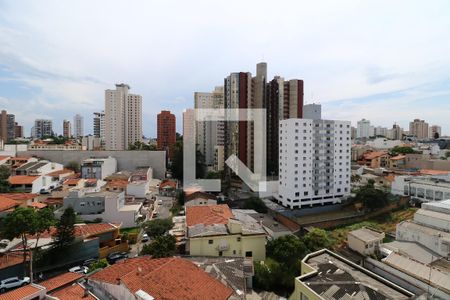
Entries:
{"x":429,"y":228}
{"x":375,"y":159}
{"x":198,"y":198}
{"x":164,"y":278}
{"x":365,"y":241}
{"x":216,"y":230}
{"x":327,"y":276}
{"x":29,"y":183}
{"x":108,"y":206}
{"x":423,"y":188}
{"x":42,"y":167}
{"x":139,"y":183}
{"x":383,"y":143}
{"x":98,"y":168}
{"x":273,"y":228}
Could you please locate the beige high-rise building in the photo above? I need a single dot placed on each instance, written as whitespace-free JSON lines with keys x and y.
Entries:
{"x":67,"y":129}
{"x":419,"y":129}
{"x":435,"y":131}
{"x":123,"y":118}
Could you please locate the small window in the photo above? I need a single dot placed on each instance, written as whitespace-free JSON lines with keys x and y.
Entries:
{"x":210,"y":242}
{"x":238,"y":239}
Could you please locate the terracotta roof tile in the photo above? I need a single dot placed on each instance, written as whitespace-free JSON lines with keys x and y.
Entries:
{"x":433,"y":172}
{"x":72,"y":181}
{"x":165,"y":278}
{"x":22,"y":179}
{"x":208,"y":215}
{"x":61,"y":172}
{"x":73,"y":292}
{"x":2,"y":157}
{"x":22,"y":292}
{"x":7,"y":203}
{"x":37,"y":205}
{"x":168,"y":183}
{"x":87,"y":230}
{"x":199,"y":195}
{"x":120,"y":183}
{"x":19,"y":196}
{"x":60,"y":281}
{"x":398,"y":157}
{"x":374,"y":154}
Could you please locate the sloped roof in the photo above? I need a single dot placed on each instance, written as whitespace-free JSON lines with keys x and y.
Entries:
{"x":37,"y":205}
{"x":374,"y":154}
{"x":60,"y":172}
{"x":73,"y":292}
{"x":199,"y":195}
{"x":7,"y":203}
{"x":29,"y":290}
{"x":19,"y":196}
{"x":60,"y":281}
{"x":208,"y":215}
{"x":22,"y":179}
{"x":165,"y":278}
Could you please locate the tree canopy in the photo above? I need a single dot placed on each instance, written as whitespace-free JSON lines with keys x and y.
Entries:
{"x":157,"y":227}
{"x":402,"y":150}
{"x":162,"y":246}
{"x":65,"y":228}
{"x":4,"y":175}
{"x":371,"y":197}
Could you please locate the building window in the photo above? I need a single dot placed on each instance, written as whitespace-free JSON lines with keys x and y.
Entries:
{"x":238,"y":239}
{"x":210,"y":242}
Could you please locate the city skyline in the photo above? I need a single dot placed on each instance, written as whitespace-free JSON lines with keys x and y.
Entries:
{"x":399,"y":63}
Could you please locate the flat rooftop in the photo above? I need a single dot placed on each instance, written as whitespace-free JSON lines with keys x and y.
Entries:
{"x":337,"y":278}
{"x":266,"y":220}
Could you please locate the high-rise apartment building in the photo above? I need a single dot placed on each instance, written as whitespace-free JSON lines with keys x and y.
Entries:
{"x":380,"y":131}
{"x":312,"y":111}
{"x":166,"y":131}
{"x":78,"y":126}
{"x":7,"y":126}
{"x":363,"y":129}
{"x":42,"y":128}
{"x":314,"y":166}
{"x":419,"y":129}
{"x":67,"y":129}
{"x":209,"y":134}
{"x":123,"y":118}
{"x":18,"y":130}
{"x":395,"y":133}
{"x":435,"y":131}
{"x":189,"y":123}
{"x":99,"y":125}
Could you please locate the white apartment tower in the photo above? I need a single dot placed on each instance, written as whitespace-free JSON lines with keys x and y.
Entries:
{"x":314,"y":162}
{"x":363,"y":129}
{"x":209,"y":134}
{"x":78,"y":126}
{"x":123,"y":118}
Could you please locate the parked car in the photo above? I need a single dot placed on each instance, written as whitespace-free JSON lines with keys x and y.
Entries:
{"x":89,"y":262}
{"x":114,"y":257}
{"x":145,"y":238}
{"x":79,"y":269}
{"x":13,"y":282}
{"x":44,"y":192}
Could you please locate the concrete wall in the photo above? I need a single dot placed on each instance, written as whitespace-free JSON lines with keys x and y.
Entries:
{"x":126,"y":160}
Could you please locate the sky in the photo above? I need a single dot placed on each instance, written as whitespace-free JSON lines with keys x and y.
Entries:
{"x":386,"y":61}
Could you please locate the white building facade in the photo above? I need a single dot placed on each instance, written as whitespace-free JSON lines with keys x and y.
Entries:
{"x":363,"y":129}
{"x":78,"y":126}
{"x":123,"y":118}
{"x":314,"y":165}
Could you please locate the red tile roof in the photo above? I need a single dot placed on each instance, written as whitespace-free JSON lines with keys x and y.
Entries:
{"x":37,"y":205}
{"x":72,"y":181}
{"x":87,"y":230}
{"x":61,"y":172}
{"x":398,"y":157}
{"x":19,"y":196}
{"x":2,"y":157}
{"x":117,"y":183}
{"x":168,"y":183}
{"x":29,"y":291}
{"x":433,"y":172}
{"x":22,"y":179}
{"x":208,"y":215}
{"x":374,"y":154}
{"x":6,"y":203}
{"x":165,"y":278}
{"x":73,"y":292}
{"x":199,"y":195}
{"x":60,"y":281}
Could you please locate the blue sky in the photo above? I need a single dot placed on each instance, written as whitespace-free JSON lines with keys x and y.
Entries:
{"x":387,"y":61}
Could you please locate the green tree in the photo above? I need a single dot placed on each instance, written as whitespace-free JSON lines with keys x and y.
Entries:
{"x":101,"y":264}
{"x":21,"y":223}
{"x":317,"y":239}
{"x":162,"y":246}
{"x":4,"y":175}
{"x":355,"y":178}
{"x":177,"y":160}
{"x":255,"y":203}
{"x":447,"y":154}
{"x":180,"y":198}
{"x":402,"y":150}
{"x":157,"y":227}
{"x":287,"y":249}
{"x":65,"y":229}
{"x":45,"y":219}
{"x":371,"y":197}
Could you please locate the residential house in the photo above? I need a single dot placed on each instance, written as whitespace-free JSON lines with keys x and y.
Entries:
{"x":15,"y":162}
{"x":272,"y":226}
{"x":25,"y":199}
{"x":327,"y":276}
{"x":77,"y":183}
{"x":28,"y":292}
{"x":7,"y":205}
{"x":365,"y":241}
{"x":108,"y":206}
{"x":139,"y":183}
{"x":61,"y":175}
{"x":29,"y":183}
{"x":198,"y":198}
{"x":375,"y":159}
{"x":216,"y":230}
{"x":397,"y":162}
{"x":169,"y":278}
{"x":42,"y":167}
{"x":98,"y":168}
{"x":168,"y":187}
